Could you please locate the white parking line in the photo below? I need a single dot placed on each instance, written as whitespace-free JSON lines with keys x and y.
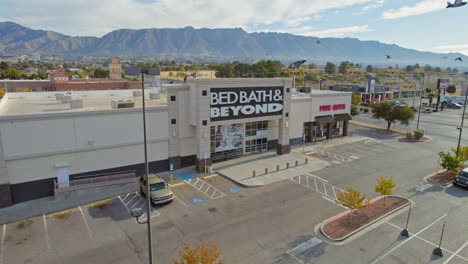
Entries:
{"x":408,"y":239}
{"x":46,"y":231}
{"x":456,"y":253}
{"x":177,"y":198}
{"x":3,"y":242}
{"x":317,"y":177}
{"x":448,"y":200}
{"x":429,"y":242}
{"x":86,"y":223}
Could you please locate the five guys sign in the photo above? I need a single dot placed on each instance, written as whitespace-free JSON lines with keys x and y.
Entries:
{"x":324,"y":108}
{"x":245,"y":102}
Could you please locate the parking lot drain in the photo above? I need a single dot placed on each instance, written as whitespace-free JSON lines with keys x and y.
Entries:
{"x":212,"y":210}
{"x":233,"y":189}
{"x":197,"y":200}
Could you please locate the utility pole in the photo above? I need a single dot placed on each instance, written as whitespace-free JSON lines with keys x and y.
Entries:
{"x":461,"y":125}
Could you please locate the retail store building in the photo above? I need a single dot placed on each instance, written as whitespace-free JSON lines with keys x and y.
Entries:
{"x":45,"y":140}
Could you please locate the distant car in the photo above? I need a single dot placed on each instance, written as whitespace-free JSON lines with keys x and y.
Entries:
{"x":425,"y":97}
{"x":462,"y":178}
{"x":454,"y":105}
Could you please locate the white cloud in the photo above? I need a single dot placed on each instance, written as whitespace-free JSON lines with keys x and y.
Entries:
{"x":91,"y":17}
{"x":461,"y":48}
{"x":374,"y":4}
{"x":337,"y":32}
{"x":422,"y":7}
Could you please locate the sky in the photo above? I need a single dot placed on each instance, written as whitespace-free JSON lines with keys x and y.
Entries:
{"x":424,"y":25}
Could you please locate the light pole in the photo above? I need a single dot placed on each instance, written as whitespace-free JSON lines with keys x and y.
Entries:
{"x":148,"y":71}
{"x":420,"y":99}
{"x":461,"y":126}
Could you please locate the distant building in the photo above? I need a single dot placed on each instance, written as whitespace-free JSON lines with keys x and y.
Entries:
{"x":115,"y":68}
{"x":58,"y":75}
{"x":36,"y":57}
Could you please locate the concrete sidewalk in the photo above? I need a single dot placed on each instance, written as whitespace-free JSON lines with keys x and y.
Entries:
{"x":62,"y":201}
{"x":240,"y":170}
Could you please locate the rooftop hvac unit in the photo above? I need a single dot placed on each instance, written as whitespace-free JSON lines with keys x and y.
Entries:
{"x":155,"y":96}
{"x":136,"y":93}
{"x":76,"y":103}
{"x":122,"y":104}
{"x":66,"y":99}
{"x":58,"y":96}
{"x":304,"y":89}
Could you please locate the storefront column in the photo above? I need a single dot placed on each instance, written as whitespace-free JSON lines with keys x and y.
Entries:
{"x":329,"y":130}
{"x":5,"y":195}
{"x":311,"y":132}
{"x":345,"y":128}
{"x":283,"y":138}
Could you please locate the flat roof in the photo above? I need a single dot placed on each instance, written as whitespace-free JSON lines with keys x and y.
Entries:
{"x":16,"y":105}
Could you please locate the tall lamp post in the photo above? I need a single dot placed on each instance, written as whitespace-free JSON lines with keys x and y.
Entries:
{"x":420,"y":99}
{"x":148,"y":71}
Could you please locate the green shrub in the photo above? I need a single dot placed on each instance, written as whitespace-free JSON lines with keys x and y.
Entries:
{"x":409,"y":135}
{"x":366,"y":110}
{"x":428,"y":110}
{"x":418,"y":134}
{"x":354,"y":111}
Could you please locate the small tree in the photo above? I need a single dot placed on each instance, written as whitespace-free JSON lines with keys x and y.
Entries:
{"x":330,"y":68}
{"x":389,"y":112}
{"x":201,"y":254}
{"x":352,"y":199}
{"x":462,"y":153}
{"x":449,"y":161}
{"x":385,"y":186}
{"x":354,"y":111}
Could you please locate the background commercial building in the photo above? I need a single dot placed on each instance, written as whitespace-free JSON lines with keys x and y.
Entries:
{"x":44,"y":140}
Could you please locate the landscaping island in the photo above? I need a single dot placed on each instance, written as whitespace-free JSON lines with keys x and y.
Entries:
{"x":344,"y":225}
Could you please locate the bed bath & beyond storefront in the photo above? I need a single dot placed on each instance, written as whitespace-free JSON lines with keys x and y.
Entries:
{"x":236,"y":117}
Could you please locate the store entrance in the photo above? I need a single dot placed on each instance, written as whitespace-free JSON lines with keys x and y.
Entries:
{"x":235,"y":140}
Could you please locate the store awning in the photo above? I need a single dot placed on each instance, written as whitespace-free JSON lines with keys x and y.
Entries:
{"x":343,"y":117}
{"x":324,"y":119}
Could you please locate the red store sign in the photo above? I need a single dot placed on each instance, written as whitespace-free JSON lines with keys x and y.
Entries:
{"x":324,"y":108}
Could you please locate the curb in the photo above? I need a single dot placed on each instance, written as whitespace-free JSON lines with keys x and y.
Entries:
{"x":428,"y":139}
{"x":341,"y":239}
{"x":365,"y":124}
{"x":426,"y":179}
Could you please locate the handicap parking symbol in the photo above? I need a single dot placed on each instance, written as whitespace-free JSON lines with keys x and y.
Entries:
{"x":197,"y":200}
{"x":233,"y":189}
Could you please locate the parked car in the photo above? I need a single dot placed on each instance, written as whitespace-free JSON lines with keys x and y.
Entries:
{"x":160,"y":192}
{"x":462,"y":178}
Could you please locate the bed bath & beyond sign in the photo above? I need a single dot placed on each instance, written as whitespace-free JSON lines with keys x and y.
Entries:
{"x":236,"y":103}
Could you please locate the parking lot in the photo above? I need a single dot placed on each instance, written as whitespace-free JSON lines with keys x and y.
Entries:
{"x":269,"y":224}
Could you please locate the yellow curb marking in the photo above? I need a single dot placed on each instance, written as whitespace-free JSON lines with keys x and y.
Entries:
{"x":61,"y":214}
{"x":210,"y":176}
{"x":101,"y":203}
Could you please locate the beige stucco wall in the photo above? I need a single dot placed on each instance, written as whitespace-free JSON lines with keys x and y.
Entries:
{"x":33,"y":148}
{"x":43,"y":167}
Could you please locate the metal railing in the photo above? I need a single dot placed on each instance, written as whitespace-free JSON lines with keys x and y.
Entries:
{"x":97,"y":181}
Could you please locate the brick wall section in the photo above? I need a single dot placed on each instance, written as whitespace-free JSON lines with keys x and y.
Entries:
{"x":12,"y":86}
{"x":104,"y":85}
{"x":71,"y":85}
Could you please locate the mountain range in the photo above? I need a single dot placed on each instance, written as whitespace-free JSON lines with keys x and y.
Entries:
{"x":226,"y":44}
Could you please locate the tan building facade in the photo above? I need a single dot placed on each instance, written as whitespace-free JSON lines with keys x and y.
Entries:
{"x":44,"y":141}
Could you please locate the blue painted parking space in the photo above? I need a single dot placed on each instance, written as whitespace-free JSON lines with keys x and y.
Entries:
{"x":185,"y":176}
{"x":335,"y":162}
{"x":355,"y":157}
{"x":197,"y":200}
{"x":311,"y":148}
{"x":233,"y":189}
